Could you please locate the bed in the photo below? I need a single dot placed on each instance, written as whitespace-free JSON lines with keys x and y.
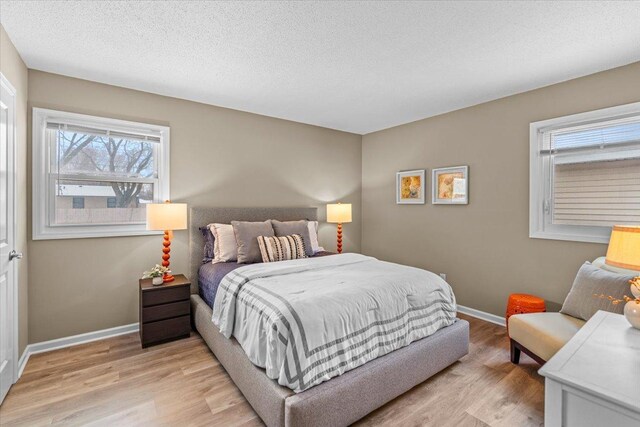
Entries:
{"x":342,"y":399}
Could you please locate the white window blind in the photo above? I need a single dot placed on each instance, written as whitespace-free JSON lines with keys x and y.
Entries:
{"x":132,"y":135}
{"x":613,"y":133}
{"x":585,"y":174}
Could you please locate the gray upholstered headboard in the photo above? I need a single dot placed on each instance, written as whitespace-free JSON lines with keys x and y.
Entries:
{"x":201,"y":216}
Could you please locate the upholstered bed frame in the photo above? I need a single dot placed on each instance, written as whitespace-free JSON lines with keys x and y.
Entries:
{"x":341,"y":400}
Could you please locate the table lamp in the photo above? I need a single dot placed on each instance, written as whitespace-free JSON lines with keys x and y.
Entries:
{"x":624,"y":247}
{"x":167,"y":217}
{"x":624,"y":250}
{"x":339,"y":213}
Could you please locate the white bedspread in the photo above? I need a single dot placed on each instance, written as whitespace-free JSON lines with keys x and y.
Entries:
{"x":306,"y":321}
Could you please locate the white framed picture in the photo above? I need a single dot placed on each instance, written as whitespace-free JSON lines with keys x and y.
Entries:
{"x":410,"y":187}
{"x":450,"y":186}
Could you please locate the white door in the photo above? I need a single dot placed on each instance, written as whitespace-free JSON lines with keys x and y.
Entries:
{"x":8,"y":257}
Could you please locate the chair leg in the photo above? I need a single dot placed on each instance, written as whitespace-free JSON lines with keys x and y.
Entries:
{"x":515,"y":352}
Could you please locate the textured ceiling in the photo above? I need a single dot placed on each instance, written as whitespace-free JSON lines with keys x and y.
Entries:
{"x":354,"y":66}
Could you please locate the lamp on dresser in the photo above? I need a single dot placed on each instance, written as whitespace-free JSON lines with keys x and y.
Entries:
{"x":339,"y":213}
{"x":623,"y":254}
{"x":167,"y":217}
{"x":624,"y":247}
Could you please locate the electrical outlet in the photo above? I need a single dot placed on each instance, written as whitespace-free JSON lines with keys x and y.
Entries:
{"x":444,"y":276}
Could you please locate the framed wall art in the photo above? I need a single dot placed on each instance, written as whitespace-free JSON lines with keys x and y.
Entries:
{"x":450,"y":186}
{"x":410,"y":187}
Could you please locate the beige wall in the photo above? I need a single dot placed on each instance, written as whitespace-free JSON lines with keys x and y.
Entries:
{"x":14,"y":69}
{"x":483,"y":247}
{"x":228,"y":158}
{"x":219,"y":157}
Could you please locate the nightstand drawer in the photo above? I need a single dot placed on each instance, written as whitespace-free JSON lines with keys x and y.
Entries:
{"x":164,"y":296}
{"x":165,"y":311}
{"x":163,"y":330}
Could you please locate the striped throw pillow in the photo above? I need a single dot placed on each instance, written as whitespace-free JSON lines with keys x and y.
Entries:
{"x":281,"y":248}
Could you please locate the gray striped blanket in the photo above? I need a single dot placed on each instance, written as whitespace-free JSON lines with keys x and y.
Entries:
{"x":306,"y":321}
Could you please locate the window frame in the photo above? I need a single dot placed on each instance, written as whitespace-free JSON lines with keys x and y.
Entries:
{"x":538,"y":171}
{"x":43,"y":190}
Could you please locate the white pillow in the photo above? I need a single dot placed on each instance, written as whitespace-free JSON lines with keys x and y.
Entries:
{"x":225,"y":248}
{"x":313,"y":236}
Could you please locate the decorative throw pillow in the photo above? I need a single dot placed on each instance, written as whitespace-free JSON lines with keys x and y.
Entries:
{"x":313,"y":237}
{"x":288,"y":228}
{"x":207,"y":235}
{"x":247,"y":239}
{"x":281,"y":248}
{"x":581,"y":301}
{"x":225,"y":248}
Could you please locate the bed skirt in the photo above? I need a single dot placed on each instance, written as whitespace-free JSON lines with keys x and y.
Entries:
{"x":341,"y":400}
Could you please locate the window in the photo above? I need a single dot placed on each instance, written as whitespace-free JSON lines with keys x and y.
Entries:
{"x":93,"y":176}
{"x":78,"y":203}
{"x":585,"y":174}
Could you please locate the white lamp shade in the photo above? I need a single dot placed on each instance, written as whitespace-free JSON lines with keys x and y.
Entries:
{"x":624,"y":247}
{"x":339,"y":213}
{"x":166,"y":216}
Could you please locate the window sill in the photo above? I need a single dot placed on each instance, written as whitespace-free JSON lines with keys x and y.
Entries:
{"x":585,"y":238}
{"x":84,"y":234}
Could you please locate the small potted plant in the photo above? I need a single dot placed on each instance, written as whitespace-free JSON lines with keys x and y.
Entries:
{"x":156,"y":274}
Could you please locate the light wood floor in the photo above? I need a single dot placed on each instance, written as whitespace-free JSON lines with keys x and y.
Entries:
{"x":116,"y":383}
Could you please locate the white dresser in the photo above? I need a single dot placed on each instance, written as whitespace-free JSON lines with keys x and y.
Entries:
{"x":594,"y":380}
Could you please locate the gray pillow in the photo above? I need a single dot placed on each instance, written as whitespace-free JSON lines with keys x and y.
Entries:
{"x":590,"y":281}
{"x":287,"y":228}
{"x":247,"y":239}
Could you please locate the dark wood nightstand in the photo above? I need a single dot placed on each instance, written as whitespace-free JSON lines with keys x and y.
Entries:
{"x":165,"y":311}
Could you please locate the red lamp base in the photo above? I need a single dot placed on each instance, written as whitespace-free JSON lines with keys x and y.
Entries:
{"x":166,"y":249}
{"x":339,"y":243}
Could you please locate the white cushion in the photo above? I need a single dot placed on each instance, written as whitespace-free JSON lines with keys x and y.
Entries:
{"x":225,"y":248}
{"x":543,"y":333}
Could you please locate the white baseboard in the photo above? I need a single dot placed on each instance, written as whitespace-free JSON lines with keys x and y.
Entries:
{"x":483,"y":315}
{"x":23,"y":361}
{"x":56,"y":344}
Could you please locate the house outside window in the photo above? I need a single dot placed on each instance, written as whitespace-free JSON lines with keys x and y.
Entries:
{"x":93,"y":176}
{"x":585,"y":174}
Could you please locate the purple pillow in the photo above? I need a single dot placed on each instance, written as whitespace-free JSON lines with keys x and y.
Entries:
{"x":208,"y":244}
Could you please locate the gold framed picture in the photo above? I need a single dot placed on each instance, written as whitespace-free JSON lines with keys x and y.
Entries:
{"x":410,"y":187}
{"x":450,"y":186}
